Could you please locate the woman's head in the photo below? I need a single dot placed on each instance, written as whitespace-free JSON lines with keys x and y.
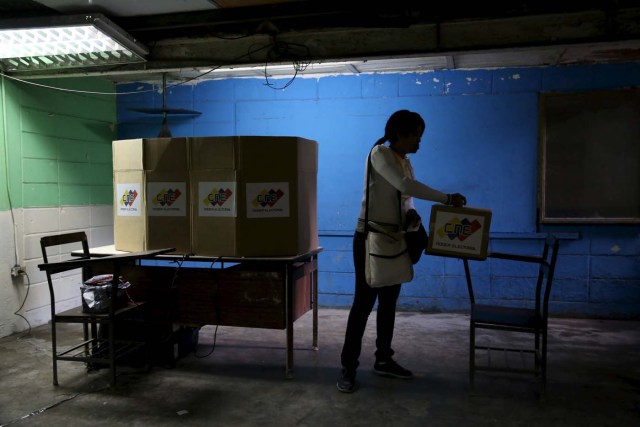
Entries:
{"x":403,"y":123}
{"x":403,"y":131}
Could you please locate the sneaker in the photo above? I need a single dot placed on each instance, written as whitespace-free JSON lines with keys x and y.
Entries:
{"x":346,"y":381}
{"x":391,"y":369}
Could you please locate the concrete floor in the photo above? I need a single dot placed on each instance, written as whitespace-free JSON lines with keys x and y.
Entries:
{"x":594,"y":380}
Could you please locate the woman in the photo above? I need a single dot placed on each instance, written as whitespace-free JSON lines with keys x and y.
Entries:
{"x":391,"y":172}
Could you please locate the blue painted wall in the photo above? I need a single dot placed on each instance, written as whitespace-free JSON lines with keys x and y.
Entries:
{"x":481,"y":140}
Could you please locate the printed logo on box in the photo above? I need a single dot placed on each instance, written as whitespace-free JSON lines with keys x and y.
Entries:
{"x":459,"y":229}
{"x":268,"y":200}
{"x":459,"y":235}
{"x":166,"y":199}
{"x":128,"y":199}
{"x":217,"y":199}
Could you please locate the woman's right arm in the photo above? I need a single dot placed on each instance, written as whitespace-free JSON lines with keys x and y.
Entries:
{"x":385,"y":163}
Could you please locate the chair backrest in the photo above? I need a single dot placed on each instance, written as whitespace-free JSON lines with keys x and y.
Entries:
{"x":64,"y":239}
{"x":547,"y":264}
{"x":547,"y":271}
{"x":75,"y":240}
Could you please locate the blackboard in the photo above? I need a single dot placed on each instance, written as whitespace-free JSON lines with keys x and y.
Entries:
{"x":590,"y":157}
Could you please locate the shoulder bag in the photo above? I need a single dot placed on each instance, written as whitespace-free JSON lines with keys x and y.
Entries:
{"x":416,"y":242}
{"x":387,"y":260}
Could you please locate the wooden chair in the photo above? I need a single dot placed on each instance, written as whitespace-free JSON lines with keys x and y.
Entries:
{"x":531,"y":320}
{"x":99,"y":347}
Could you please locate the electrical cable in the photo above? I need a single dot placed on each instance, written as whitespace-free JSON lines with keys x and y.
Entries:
{"x":174,"y":285}
{"x":213,"y":347}
{"x":216,"y":307}
{"x":282,"y":50}
{"x":175,"y":278}
{"x":41,"y":410}
{"x":188,"y":80}
{"x":22,"y":305}
{"x":53,"y":405}
{"x":233,"y":38}
{"x":271,"y":86}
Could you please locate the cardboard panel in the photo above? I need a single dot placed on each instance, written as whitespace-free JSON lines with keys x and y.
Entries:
{"x":213,"y":153}
{"x":260,"y":156}
{"x":158,"y":219}
{"x":214,"y":211}
{"x":129,"y":211}
{"x":159,"y":154}
{"x":168,"y":211}
{"x":308,"y":210}
{"x":278,"y":177}
{"x":128,"y":154}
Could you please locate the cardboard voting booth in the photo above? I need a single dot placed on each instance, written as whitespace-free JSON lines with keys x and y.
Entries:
{"x":459,"y":232}
{"x":216,"y":196}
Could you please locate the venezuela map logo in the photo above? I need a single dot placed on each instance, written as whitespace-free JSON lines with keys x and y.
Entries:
{"x":128,"y":198}
{"x":459,"y":229}
{"x":217,"y":197}
{"x":166,"y":198}
{"x":267,"y":199}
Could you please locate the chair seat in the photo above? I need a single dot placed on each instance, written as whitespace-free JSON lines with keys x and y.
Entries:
{"x":76,"y":315}
{"x":505,"y":316}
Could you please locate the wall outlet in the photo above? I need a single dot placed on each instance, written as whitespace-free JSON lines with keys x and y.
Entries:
{"x":18,"y":270}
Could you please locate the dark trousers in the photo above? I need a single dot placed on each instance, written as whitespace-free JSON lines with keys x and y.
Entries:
{"x":363,"y":302}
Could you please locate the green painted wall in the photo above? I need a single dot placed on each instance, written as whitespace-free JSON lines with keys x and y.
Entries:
{"x":57,"y":142}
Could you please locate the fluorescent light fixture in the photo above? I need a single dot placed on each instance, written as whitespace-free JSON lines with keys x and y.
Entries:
{"x":68,"y":41}
{"x":282,"y":70}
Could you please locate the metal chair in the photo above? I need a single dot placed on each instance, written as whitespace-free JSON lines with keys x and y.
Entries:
{"x":99,"y":347}
{"x":532,"y":320}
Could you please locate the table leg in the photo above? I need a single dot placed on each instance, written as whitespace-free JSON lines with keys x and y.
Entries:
{"x":289,"y":318}
{"x":314,"y":285}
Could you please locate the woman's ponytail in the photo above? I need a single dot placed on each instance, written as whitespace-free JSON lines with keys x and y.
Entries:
{"x":381,"y":140}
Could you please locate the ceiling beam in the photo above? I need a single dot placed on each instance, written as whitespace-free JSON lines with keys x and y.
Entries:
{"x":334,"y":31}
{"x":341,"y":43}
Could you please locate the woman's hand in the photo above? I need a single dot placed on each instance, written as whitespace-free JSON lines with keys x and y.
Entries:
{"x":456,"y":200}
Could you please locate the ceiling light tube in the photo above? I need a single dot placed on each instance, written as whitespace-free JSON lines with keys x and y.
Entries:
{"x":65,"y":42}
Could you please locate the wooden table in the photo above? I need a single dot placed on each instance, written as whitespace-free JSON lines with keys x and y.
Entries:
{"x":256,"y":292}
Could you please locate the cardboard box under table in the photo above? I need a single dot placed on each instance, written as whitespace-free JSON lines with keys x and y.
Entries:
{"x":459,"y":232}
{"x":151,"y":201}
{"x":253,"y":196}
